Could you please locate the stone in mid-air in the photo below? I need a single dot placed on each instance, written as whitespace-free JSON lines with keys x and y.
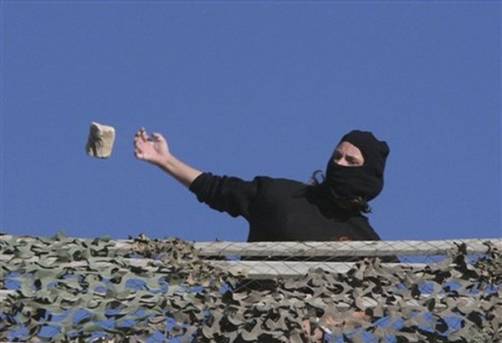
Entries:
{"x":100,"y":140}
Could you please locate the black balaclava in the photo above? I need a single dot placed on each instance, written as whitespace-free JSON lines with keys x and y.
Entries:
{"x":365,"y":181}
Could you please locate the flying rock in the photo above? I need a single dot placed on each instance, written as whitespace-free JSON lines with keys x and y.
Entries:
{"x":100,"y":140}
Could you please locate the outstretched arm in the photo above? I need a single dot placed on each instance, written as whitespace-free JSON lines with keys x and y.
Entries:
{"x":155,"y":150}
{"x":222,"y":193}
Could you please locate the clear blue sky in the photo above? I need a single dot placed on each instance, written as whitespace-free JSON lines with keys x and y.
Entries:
{"x":246,"y":89}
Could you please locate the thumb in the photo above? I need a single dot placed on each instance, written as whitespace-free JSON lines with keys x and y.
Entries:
{"x":158,"y":136}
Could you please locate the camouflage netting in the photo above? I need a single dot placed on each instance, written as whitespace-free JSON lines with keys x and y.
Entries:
{"x":75,"y":290}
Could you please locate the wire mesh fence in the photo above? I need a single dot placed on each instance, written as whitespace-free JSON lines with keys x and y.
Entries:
{"x":63,"y":288}
{"x":268,"y":260}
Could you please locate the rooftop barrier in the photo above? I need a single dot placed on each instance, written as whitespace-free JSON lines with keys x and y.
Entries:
{"x":165,"y":290}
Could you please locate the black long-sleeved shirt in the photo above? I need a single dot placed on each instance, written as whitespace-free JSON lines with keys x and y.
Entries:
{"x":281,"y":209}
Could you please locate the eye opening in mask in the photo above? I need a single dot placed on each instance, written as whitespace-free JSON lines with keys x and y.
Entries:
{"x":348,"y":155}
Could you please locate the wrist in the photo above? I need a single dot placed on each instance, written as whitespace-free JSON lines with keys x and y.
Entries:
{"x":167,"y":163}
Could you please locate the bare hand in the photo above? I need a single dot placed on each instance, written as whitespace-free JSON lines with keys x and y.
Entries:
{"x":153,"y":149}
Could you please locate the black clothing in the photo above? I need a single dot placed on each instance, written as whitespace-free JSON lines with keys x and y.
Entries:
{"x":282,"y":210}
{"x":350,"y":183}
{"x":365,"y":181}
{"x":375,"y":152}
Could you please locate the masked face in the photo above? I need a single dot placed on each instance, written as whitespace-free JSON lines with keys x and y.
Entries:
{"x":349,"y":177}
{"x":348,"y":155}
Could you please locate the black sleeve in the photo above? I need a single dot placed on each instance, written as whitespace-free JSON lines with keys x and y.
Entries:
{"x":226,"y":194}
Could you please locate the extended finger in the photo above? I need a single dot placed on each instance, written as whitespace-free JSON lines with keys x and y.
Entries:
{"x":141,"y":134}
{"x":138,"y":153}
{"x":157,"y":136}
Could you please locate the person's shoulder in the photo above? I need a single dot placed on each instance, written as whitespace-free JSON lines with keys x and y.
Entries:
{"x":279,"y":181}
{"x":278,"y":186}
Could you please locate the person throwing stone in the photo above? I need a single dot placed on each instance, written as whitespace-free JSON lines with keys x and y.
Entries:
{"x":279,"y":209}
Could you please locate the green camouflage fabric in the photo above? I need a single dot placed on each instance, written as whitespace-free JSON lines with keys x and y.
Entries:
{"x":180,"y":297}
